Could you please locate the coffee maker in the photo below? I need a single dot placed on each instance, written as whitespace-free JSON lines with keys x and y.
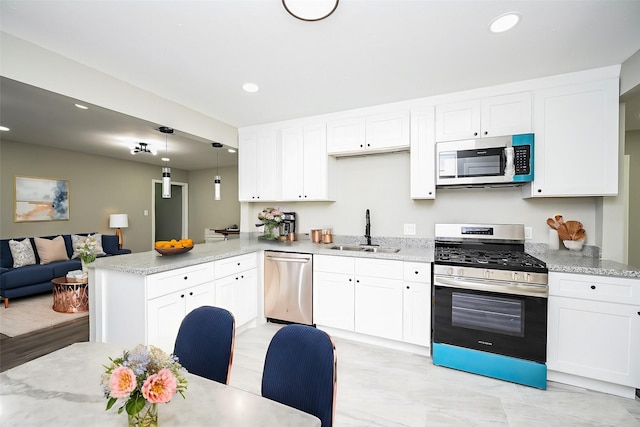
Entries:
{"x":288,"y":225}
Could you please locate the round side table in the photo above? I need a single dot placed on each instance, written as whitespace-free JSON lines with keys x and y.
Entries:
{"x":70,"y":297}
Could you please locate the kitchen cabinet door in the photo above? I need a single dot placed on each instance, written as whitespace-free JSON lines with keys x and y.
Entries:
{"x":258,"y":166}
{"x":304,"y":163}
{"x":576,"y":141}
{"x":378,"y":307}
{"x":346,"y":135}
{"x":247,"y":301}
{"x":499,"y":115}
{"x":416,"y":304}
{"x":165,"y":313}
{"x":333,"y":299}
{"x":422,"y":154}
{"x":594,"y":340}
{"x":237,"y":287}
{"x":456,"y":121}
{"x":387,"y":131}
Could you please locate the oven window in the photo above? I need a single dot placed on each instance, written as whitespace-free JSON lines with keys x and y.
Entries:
{"x":488,"y":313}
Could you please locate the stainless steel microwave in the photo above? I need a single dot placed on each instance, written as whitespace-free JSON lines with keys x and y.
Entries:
{"x":485,"y":161}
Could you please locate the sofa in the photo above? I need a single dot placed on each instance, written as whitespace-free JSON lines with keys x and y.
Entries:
{"x":36,"y":278}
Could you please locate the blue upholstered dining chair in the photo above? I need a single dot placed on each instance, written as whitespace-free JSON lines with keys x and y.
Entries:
{"x":300,"y":371}
{"x":204,"y":344}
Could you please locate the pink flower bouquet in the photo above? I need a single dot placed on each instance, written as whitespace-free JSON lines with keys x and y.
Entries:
{"x":146,"y":374}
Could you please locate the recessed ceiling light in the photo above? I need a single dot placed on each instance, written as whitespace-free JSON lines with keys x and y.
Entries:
{"x":165,"y":159}
{"x":231,"y":150}
{"x":504,"y":22}
{"x":250,"y":87}
{"x":82,"y":107}
{"x":4,"y":129}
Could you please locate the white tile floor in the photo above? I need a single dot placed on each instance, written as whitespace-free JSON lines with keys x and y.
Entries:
{"x":382,"y":387}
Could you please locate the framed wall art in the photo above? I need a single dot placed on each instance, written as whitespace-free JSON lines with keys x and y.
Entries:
{"x":41,"y":199}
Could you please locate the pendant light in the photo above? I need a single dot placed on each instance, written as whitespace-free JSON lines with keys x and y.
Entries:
{"x":166,"y":170}
{"x":216,"y":182}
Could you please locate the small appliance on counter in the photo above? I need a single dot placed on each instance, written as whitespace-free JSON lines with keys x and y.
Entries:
{"x":287,"y":230}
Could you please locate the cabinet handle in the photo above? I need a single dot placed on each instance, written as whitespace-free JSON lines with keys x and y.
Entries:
{"x":236,"y":277}
{"x":539,"y":190}
{"x":416,"y":271}
{"x":475,"y":134}
{"x":357,"y":281}
{"x":299,"y":196}
{"x":408,"y":287}
{"x":242,"y":277}
{"x":182,"y":296}
{"x":191,"y":293}
{"x":368,"y":145}
{"x":486,"y":133}
{"x":360,"y":145}
{"x":593,"y":286}
{"x":350,"y":280}
{"x":238,"y":263}
{"x":185,"y":277}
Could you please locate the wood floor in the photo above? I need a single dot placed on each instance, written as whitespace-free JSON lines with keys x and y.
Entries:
{"x":17,"y":350}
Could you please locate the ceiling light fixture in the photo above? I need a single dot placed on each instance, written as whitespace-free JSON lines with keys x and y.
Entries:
{"x":504,"y":22}
{"x":306,"y":10}
{"x":216,"y":182}
{"x":4,"y":129}
{"x":231,"y":150}
{"x":250,"y":87}
{"x":82,"y":107}
{"x":166,"y":170}
{"x":143,"y":147}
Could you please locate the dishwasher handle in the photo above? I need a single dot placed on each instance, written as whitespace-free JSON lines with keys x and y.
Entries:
{"x":283,"y":259}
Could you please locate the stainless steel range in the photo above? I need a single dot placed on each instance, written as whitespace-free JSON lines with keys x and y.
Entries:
{"x":489,"y":303}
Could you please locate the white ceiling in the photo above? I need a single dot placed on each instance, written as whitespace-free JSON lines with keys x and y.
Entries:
{"x":199,"y":53}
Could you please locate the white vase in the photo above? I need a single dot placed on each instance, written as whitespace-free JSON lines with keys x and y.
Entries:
{"x":85,"y":268}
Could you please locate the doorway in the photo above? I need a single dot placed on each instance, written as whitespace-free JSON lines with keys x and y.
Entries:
{"x":169,"y":216}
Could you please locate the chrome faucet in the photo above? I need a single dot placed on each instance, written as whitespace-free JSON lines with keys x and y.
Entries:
{"x":367,"y":228}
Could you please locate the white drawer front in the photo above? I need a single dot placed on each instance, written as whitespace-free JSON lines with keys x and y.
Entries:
{"x":379,"y":268}
{"x":333,"y":264}
{"x":236,"y":264}
{"x":175,"y":280}
{"x":598,"y":288}
{"x":417,"y":272}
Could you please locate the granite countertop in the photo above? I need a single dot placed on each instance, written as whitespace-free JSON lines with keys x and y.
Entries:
{"x":586,"y":261}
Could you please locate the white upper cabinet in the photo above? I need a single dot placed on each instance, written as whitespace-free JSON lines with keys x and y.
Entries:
{"x":576,"y":140}
{"x":481,"y":118}
{"x":304,"y":163}
{"x":376,"y":133}
{"x":258,"y":166}
{"x":422,"y":157}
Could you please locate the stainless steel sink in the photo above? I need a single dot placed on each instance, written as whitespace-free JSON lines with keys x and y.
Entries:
{"x":347,"y":248}
{"x":365,"y":249}
{"x":381,"y":250}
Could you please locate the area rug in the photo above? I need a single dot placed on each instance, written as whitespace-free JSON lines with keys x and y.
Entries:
{"x":29,"y":314}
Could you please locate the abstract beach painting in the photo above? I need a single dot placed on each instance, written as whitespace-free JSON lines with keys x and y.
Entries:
{"x":41,"y":199}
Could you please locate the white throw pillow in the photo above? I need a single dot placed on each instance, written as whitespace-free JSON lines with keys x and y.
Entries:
{"x":22,"y":253}
{"x":50,"y":250}
{"x":77,"y":240}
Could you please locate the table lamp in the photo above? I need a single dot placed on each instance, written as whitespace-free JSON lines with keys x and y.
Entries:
{"x":119,"y":221}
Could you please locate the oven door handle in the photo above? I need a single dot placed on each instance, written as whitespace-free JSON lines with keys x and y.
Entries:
{"x":511,"y":288}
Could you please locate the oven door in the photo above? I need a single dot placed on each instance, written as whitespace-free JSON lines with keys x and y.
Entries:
{"x":509,"y":320}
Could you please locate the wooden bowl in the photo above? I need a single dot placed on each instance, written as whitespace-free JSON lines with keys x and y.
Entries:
{"x":173,"y":251}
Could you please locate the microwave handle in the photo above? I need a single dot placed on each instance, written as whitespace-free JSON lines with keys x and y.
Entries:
{"x":509,"y":168}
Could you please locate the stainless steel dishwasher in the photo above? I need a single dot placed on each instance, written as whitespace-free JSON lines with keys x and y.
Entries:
{"x":288,"y":287}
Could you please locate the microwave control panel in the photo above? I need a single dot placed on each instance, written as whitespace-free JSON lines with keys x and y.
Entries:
{"x":522,"y":155}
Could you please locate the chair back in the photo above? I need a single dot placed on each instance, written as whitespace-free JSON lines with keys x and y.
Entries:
{"x":300,"y":371}
{"x":204,"y":344}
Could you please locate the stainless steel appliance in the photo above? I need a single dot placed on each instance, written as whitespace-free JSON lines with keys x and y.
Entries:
{"x":489,"y":313}
{"x":485,"y":161}
{"x":288,"y":287}
{"x":288,"y":224}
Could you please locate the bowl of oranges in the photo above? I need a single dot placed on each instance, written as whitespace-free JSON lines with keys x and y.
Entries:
{"x":173,"y":247}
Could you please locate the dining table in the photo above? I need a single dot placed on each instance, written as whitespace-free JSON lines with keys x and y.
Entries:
{"x":63,"y":389}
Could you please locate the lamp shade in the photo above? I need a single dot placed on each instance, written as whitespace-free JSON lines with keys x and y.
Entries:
{"x":118,"y":221}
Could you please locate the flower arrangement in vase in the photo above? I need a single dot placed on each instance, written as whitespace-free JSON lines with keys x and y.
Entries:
{"x":270,"y":218}
{"x":87,"y":250}
{"x":144,"y":377}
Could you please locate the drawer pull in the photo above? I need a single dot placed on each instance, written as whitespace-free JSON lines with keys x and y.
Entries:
{"x":593,"y":286}
{"x":408,"y":287}
{"x":191,"y":293}
{"x":182,"y":296}
{"x":185,"y":277}
{"x":416,"y":271}
{"x":238,"y":263}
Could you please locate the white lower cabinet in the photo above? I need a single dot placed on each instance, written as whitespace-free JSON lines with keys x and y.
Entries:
{"x":379,"y":298}
{"x":165,"y":313}
{"x":594,"y":331}
{"x":237,"y":287}
{"x":333,"y":291}
{"x":416,"y":303}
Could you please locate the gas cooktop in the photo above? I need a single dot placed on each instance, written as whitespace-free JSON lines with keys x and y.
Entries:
{"x":495,"y":259}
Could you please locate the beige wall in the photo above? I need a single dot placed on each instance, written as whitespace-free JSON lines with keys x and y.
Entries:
{"x":381,"y":184}
{"x":100,"y":186}
{"x":204,"y":211}
{"x":633,"y":150}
